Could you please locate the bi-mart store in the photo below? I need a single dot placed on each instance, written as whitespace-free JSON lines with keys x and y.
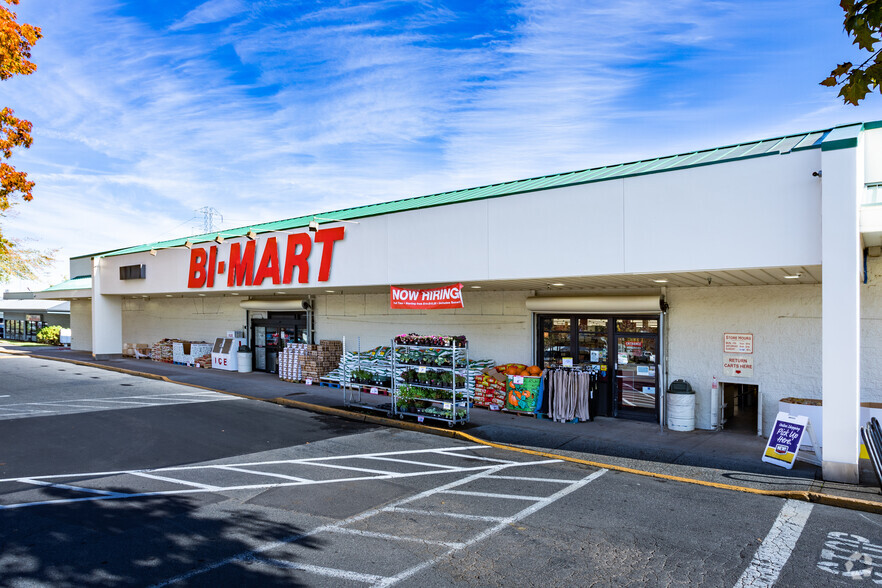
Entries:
{"x":694,"y":266}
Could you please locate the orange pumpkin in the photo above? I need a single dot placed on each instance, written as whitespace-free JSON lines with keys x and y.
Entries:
{"x":534,"y":370}
{"x":525,"y":373}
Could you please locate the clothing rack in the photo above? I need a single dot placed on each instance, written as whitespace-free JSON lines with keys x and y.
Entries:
{"x":570,"y":394}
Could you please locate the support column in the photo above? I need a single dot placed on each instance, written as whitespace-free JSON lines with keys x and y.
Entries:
{"x":841,"y":258}
{"x":106,"y":319}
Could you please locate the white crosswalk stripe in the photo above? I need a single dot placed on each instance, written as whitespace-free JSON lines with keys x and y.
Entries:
{"x":81,"y":405}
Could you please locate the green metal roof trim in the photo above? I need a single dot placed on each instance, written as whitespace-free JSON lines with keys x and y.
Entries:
{"x":834,"y":138}
{"x":77,"y":283}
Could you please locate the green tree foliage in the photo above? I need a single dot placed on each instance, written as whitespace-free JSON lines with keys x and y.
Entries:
{"x":16,"y":41}
{"x":863,"y":21}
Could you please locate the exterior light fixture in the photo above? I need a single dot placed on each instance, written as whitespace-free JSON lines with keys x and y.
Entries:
{"x":219,"y":239}
{"x":660,"y":281}
{"x":168,"y":296}
{"x":234,"y":293}
{"x":329,"y":291}
{"x":793,"y":277}
{"x":188,"y":244}
{"x":280,"y":292}
{"x":202,"y":294}
{"x":314,"y":225}
{"x":557,"y":284}
{"x":251,"y":235}
{"x":476,"y":287}
{"x":153,"y":252}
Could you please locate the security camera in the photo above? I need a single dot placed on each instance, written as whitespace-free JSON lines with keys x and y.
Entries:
{"x":816,"y":174}
{"x":313,"y":226}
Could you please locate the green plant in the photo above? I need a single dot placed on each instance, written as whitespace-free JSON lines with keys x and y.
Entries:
{"x":362,"y":376}
{"x":49,"y":335}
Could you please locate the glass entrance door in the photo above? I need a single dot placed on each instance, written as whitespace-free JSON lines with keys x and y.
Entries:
{"x":271,"y":335}
{"x":636,"y":368}
{"x":623,"y":353}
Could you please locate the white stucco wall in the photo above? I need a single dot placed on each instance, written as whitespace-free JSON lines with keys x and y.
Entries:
{"x":497,"y":324}
{"x":192,"y":319}
{"x":786,"y":325}
{"x":81,"y":325}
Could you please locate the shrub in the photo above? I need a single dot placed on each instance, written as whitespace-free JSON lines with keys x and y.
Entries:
{"x":50,"y":335}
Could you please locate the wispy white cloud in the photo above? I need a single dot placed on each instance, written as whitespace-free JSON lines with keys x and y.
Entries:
{"x":275,"y":108}
{"x":210,"y":12}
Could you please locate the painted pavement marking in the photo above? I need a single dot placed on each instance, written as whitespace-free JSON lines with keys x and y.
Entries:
{"x":69,"y":487}
{"x":852,"y":557}
{"x":375,"y":535}
{"x":23,"y":409}
{"x":246,"y":468}
{"x":493,"y":495}
{"x":455,"y":515}
{"x":206,"y":487}
{"x":259,"y":473}
{"x":772,"y":555}
{"x":255,"y":556}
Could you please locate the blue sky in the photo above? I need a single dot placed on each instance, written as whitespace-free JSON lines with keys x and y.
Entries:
{"x":146,"y":110}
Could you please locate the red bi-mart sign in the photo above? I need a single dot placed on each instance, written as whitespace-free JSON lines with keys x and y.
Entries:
{"x":446,"y":297}
{"x":244,"y":269}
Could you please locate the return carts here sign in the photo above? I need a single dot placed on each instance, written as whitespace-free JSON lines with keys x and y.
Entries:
{"x":785,"y":439}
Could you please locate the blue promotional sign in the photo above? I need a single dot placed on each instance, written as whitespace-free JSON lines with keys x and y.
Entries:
{"x":784,"y":441}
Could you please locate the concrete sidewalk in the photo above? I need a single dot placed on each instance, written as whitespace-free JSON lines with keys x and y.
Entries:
{"x":725,"y":459}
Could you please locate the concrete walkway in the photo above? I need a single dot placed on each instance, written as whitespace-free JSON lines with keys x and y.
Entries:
{"x":725,"y":459}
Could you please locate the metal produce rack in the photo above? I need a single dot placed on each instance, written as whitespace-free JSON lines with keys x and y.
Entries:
{"x":439,"y":401}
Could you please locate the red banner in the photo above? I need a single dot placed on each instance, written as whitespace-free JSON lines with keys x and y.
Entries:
{"x":446,"y":297}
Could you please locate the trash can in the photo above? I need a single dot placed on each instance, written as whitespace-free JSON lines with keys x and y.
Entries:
{"x":681,"y":406}
{"x":243,"y":359}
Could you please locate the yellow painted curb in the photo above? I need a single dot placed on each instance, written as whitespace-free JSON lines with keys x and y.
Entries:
{"x":804,"y":495}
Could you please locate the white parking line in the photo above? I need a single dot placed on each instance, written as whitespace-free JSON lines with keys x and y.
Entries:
{"x":110,"y":403}
{"x":492,"y":495}
{"x":259,"y":473}
{"x":68,"y":487}
{"x":440,"y":513}
{"x":776,"y":548}
{"x":318,"y":570}
{"x":254,"y":555}
{"x":207,"y":487}
{"x":422,"y":463}
{"x":200,"y":487}
{"x":375,"y":535}
{"x":495,"y":529}
{"x":305,"y":460}
{"x":527,"y":479}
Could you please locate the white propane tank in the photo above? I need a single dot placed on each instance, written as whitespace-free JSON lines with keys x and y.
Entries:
{"x":715,"y":405}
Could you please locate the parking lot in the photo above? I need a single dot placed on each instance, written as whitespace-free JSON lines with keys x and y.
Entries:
{"x":210,"y":492}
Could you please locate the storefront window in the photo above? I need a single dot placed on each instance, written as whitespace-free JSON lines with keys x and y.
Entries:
{"x":592,"y":341}
{"x":556,"y":340}
{"x":637,"y":325}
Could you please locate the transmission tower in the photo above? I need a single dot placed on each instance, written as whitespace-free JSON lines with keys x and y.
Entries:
{"x":208,"y":222}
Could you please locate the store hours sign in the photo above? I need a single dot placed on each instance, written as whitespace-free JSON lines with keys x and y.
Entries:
{"x":278,"y":261}
{"x":738,"y":355}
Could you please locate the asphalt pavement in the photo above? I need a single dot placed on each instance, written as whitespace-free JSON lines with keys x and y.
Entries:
{"x":730,"y":459}
{"x":183,"y":485}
